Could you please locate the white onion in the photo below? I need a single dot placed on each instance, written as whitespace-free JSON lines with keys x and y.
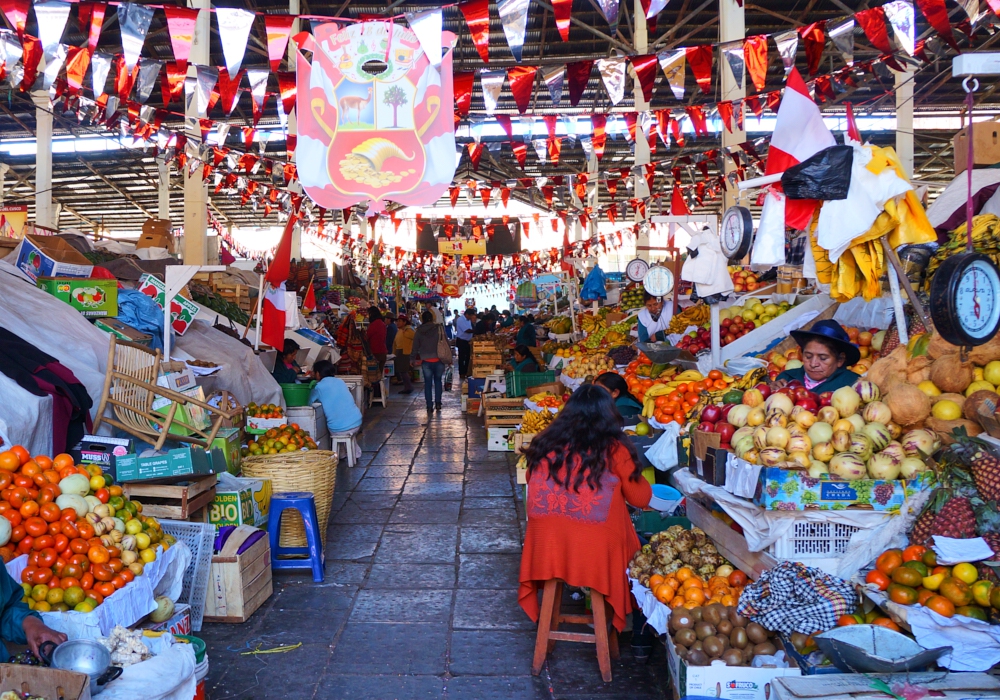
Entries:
{"x":877,"y":412}
{"x":845,"y":400}
{"x":883,"y":467}
{"x":847,"y":466}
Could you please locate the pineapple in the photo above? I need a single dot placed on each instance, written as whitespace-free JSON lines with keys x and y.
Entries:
{"x":914,"y":326}
{"x":985,"y":469}
{"x":921,"y":533}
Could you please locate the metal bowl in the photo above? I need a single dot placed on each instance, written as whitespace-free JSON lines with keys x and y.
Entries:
{"x":82,"y":656}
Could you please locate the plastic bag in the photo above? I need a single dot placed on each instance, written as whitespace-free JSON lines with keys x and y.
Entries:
{"x":593,"y":286}
{"x":769,"y":244}
{"x":663,"y":453}
{"x":825,"y":175}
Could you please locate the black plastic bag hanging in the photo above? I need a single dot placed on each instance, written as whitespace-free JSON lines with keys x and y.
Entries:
{"x":825,"y":175}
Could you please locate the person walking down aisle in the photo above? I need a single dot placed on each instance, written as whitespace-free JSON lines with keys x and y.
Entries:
{"x":425,"y":349}
{"x":463,"y":340}
{"x":402,"y":349}
{"x":581,"y":472}
{"x":376,"y":337}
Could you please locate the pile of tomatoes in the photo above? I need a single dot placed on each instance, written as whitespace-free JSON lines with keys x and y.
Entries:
{"x":74,"y":562}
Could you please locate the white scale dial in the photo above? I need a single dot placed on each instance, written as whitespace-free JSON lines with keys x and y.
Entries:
{"x":976,"y":299}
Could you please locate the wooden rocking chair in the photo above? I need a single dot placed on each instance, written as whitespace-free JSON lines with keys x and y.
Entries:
{"x":130,"y":387}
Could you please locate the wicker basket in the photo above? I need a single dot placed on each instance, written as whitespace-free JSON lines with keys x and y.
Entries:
{"x":314,"y":471}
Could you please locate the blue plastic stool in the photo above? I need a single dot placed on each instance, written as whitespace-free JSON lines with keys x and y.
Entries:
{"x":305,"y":504}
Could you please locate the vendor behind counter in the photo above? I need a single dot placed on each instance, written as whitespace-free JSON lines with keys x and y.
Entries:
{"x":522,"y":360}
{"x":286,"y":369}
{"x":628,"y":406}
{"x":653,"y":322}
{"x":827,"y":352}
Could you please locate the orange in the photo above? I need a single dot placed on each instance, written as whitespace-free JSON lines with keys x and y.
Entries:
{"x":737,"y":578}
{"x":694,"y":595}
{"x":98,"y":554}
{"x":683,"y":574}
{"x":62,"y":461}
{"x":676,"y":602}
{"x":664,"y":593}
{"x":693,"y":582}
{"x":955,"y":590}
{"x":886,"y":622}
{"x":889,"y":561}
{"x":9,"y":461}
{"x":673,"y":582}
{"x":914,"y":552}
{"x":941,"y":605}
{"x":904,"y":595}
{"x":22,"y":454}
{"x":923,"y":595}
{"x":728,"y":600}
{"x":845,"y":620}
{"x":654,"y":581}
{"x":878,"y":578}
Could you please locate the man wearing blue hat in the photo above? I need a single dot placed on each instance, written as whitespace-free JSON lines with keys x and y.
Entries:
{"x":827,"y":352}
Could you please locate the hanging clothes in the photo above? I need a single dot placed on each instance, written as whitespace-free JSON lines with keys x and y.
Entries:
{"x":43,"y":375}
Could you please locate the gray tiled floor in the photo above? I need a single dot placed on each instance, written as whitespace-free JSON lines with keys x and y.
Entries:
{"x":420,"y":595}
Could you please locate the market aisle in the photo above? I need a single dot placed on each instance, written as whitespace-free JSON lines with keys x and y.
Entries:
{"x":420,"y":597}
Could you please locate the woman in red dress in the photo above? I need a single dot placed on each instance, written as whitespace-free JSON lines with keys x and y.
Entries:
{"x":581,"y":471}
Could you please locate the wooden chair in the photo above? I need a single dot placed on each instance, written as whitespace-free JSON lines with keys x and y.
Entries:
{"x":130,"y":388}
{"x":551,"y":617}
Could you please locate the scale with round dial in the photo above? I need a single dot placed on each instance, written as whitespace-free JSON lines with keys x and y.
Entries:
{"x":736,"y":233}
{"x":659,"y":281}
{"x":965,"y":299}
{"x":636,"y":270}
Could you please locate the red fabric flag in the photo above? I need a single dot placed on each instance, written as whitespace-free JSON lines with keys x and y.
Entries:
{"x":814,"y":39}
{"x":77,"y":60}
{"x":273,"y":306}
{"x":462,"y":83}
{"x":726,"y":114}
{"x":92,"y":19}
{"x":937,"y":17}
{"x":286,"y":86}
{"x":678,"y":207}
{"x":700,"y":59}
{"x":309,"y":302}
{"x":180,"y":25}
{"x":278,"y":28}
{"x":522,"y":84}
{"x":599,"y":136}
{"x":520,"y":152}
{"x":173,"y":85}
{"x":872,"y":21}
{"x":697,"y":115}
{"x":755,"y":56}
{"x":579,"y":75}
{"x":562,"y":10}
{"x":16,"y":12}
{"x":504,"y":121}
{"x":228,"y":89}
{"x":645,"y":69}
{"x":852,"y":126}
{"x":477,"y":15}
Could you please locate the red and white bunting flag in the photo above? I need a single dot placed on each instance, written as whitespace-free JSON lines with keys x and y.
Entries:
{"x":234,"y":30}
{"x":279,"y":28}
{"x":91,"y":16}
{"x":477,"y":15}
{"x":273,"y":306}
{"x":798,"y":134}
{"x":309,"y":301}
{"x":180,"y":26}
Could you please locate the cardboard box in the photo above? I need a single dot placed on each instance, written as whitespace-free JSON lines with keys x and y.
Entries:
{"x":102,"y":450}
{"x":500,"y":439}
{"x":239,"y":583}
{"x":311,"y":419}
{"x":156,"y":234}
{"x":721,"y":681}
{"x":557,"y":388}
{"x":183,"y":461}
{"x":45,"y":682}
{"x":182,"y":311}
{"x":179,"y":622}
{"x":241,"y":501}
{"x":985,"y":145}
{"x":43,"y":256}
{"x":259,"y":426}
{"x":189,"y":414}
{"x":91,"y":297}
{"x":228,"y":441}
{"x":123,"y":331}
{"x":784,"y":489}
{"x":701,"y":441}
{"x":177,"y":376}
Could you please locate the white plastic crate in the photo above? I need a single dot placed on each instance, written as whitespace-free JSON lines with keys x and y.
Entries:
{"x":200,"y":538}
{"x":814,"y":539}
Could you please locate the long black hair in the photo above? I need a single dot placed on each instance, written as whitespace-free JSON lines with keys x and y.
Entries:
{"x":374,"y":314}
{"x":612,"y":381}
{"x":581,"y":438}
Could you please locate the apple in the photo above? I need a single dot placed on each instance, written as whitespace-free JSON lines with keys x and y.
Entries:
{"x":825,"y":399}
{"x":794,"y":354}
{"x":728,"y":338}
{"x":726,"y":409}
{"x":764,"y":389}
{"x":808,"y":404}
{"x":725,"y":430}
{"x":725,"y":446}
{"x":772,"y":374}
{"x":795,"y":384}
{"x":711,"y":413}
{"x":706,"y":427}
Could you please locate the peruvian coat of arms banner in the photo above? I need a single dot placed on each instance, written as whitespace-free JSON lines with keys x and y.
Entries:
{"x":375,"y":118}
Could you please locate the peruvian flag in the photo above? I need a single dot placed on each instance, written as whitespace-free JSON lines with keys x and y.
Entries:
{"x":798,"y":134}
{"x":273,"y":307}
{"x":309,"y":302}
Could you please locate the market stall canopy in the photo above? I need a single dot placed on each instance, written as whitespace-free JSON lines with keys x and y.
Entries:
{"x":947,"y":212}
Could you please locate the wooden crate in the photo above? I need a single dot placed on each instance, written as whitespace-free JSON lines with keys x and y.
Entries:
{"x":521,"y":441}
{"x":503,"y":413}
{"x":239,"y":583}
{"x":176,"y":501}
{"x":238,"y":294}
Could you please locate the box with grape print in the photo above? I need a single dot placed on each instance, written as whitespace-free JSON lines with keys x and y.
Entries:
{"x":787,"y":489}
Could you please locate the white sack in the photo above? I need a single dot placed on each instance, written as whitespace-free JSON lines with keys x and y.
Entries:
{"x":769,"y":244}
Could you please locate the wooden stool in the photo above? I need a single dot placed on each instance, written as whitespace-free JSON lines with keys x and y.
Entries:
{"x":548,"y":629}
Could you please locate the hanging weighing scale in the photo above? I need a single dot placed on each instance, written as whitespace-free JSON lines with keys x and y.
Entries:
{"x":736,"y":233}
{"x":636,"y":270}
{"x":659,"y":281}
{"x":965,"y":292}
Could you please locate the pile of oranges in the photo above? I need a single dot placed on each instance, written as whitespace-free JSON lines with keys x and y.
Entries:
{"x":912,"y":576}
{"x":685,"y":588}
{"x":74,"y":562}
{"x":267,"y":410}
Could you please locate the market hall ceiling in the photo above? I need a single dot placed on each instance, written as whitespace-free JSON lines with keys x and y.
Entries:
{"x":118,"y":188}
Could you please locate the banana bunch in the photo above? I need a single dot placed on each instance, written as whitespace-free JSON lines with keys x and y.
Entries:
{"x":985,"y":239}
{"x":697,"y":315}
{"x":536,"y":421}
{"x":750,"y":379}
{"x":589,"y":323}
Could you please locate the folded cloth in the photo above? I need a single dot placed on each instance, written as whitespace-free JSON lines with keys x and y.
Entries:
{"x":793,"y":597}
{"x":955,"y":551}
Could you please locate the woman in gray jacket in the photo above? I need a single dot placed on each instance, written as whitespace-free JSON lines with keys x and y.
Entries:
{"x":425,"y":342}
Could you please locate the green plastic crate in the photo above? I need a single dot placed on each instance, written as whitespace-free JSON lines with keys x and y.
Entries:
{"x":296,"y":394}
{"x":518,"y":382}
{"x":649,"y":522}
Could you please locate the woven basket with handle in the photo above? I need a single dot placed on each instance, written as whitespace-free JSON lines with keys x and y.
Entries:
{"x":314,"y":471}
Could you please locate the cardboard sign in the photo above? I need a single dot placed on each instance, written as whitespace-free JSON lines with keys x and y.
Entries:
{"x":40,"y":256}
{"x":12,"y":220}
{"x":91,"y":297}
{"x":182,"y":311}
{"x":459,"y":246}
